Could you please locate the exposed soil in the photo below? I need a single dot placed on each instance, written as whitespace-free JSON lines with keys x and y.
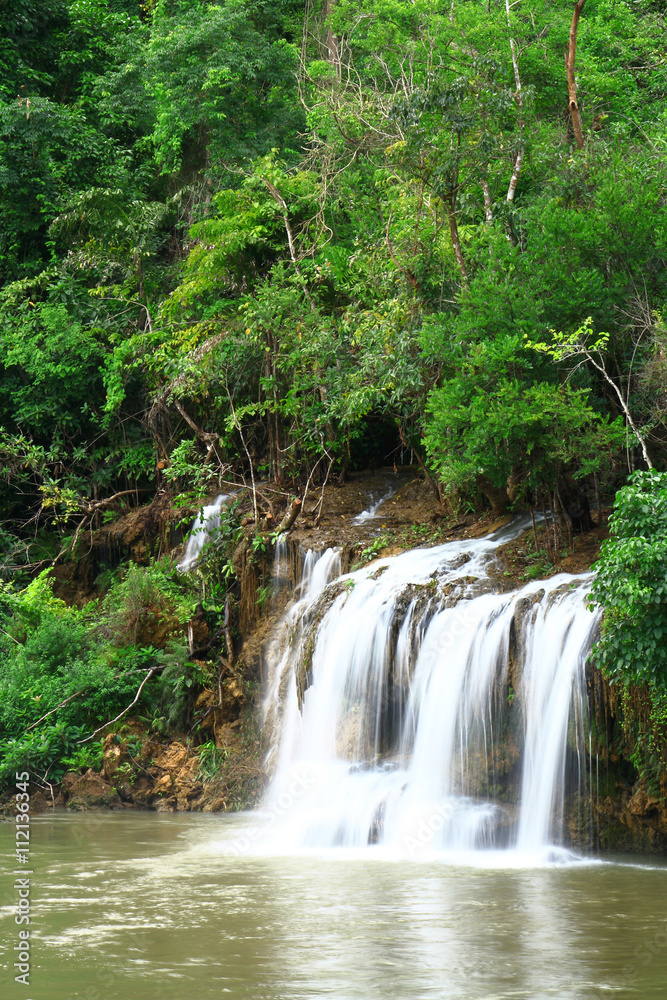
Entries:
{"x":167,"y":775}
{"x":412,"y":518}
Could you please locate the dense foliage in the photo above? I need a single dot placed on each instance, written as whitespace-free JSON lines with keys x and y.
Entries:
{"x":631,"y":583}
{"x":66,"y":672}
{"x":317,"y":237}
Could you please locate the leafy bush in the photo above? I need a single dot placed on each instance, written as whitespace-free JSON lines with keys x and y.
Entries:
{"x":171,"y":695}
{"x":631,"y":584}
{"x":90,"y":755}
{"x":145,"y":598}
{"x":62,"y":675}
{"x":41,"y":752}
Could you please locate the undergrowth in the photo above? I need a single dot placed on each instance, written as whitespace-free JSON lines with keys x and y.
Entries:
{"x":65,"y":671}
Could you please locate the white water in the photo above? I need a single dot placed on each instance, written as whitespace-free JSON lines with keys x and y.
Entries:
{"x":388,"y":691}
{"x":319,"y":568}
{"x":205,"y":523}
{"x":371,"y":512}
{"x":280,"y":565}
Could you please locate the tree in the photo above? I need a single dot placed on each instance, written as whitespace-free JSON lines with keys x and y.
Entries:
{"x":498,"y":425}
{"x":582,"y":343}
{"x":570,"y":56}
{"x":221,"y":82}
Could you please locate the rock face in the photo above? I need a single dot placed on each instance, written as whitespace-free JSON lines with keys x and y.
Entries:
{"x":628,"y":820}
{"x":88,"y":791}
{"x":145,"y":773}
{"x":634,"y":821}
{"x":154,"y":776}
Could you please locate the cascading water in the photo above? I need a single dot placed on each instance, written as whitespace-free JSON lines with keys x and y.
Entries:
{"x":319,"y":569}
{"x":205,"y":523}
{"x":371,"y":512}
{"x":417,"y":711}
{"x":280,"y":564}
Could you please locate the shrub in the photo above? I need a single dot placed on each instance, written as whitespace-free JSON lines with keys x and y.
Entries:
{"x":631,"y":584}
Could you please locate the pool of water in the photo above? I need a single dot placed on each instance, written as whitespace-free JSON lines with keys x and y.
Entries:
{"x":144,"y":906}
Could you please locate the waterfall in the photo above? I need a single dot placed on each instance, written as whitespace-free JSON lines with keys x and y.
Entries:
{"x":205,"y":523}
{"x":418,"y":711}
{"x":318,"y":570}
{"x":280,"y":565}
{"x":376,"y":502}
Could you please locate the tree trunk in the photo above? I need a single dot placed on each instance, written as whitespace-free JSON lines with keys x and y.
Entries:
{"x":456,"y":240}
{"x":333,"y":54}
{"x":576,"y":506}
{"x":497,"y":496}
{"x":433,"y":483}
{"x":518,"y":95}
{"x":488,"y":207}
{"x":570,"y":55}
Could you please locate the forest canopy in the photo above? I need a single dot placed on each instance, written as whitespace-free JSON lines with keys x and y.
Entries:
{"x":253,"y":233}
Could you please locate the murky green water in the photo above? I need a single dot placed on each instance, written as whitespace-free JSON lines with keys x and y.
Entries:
{"x":141,"y":906}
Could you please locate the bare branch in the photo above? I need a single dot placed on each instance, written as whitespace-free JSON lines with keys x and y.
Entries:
{"x":61,"y":705}
{"x":148,"y":676}
{"x":570,"y":55}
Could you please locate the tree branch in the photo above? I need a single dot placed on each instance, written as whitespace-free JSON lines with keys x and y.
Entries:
{"x":148,"y":676}
{"x":61,"y":705}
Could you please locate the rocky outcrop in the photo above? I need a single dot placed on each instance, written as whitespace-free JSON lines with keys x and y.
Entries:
{"x":88,"y":791}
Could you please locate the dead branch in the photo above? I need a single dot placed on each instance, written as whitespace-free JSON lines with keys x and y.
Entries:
{"x":207,"y":436}
{"x":312,"y":473}
{"x":95,"y":505}
{"x":61,"y":705}
{"x":148,"y":676}
{"x":10,"y":636}
{"x":570,"y":55}
{"x":290,"y":517}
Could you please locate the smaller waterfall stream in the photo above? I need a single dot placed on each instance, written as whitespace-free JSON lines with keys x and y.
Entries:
{"x":418,"y":712}
{"x":280,"y":565}
{"x":205,"y":523}
{"x":376,"y":502}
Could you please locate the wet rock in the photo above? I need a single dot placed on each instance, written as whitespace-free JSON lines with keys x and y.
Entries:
{"x":217,"y":804}
{"x":41,"y":802}
{"x":640,"y":804}
{"x":166,"y":805}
